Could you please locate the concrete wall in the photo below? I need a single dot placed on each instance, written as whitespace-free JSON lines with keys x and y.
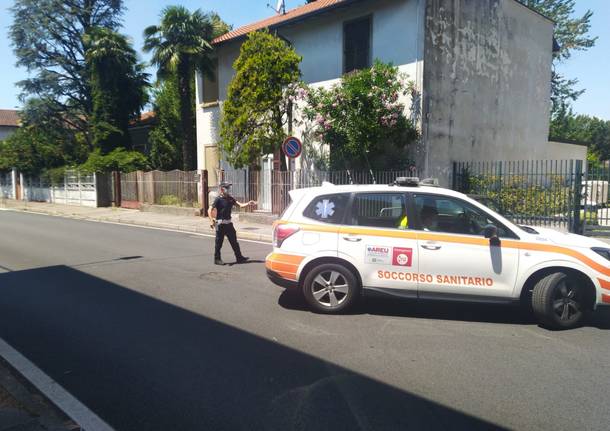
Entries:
{"x":565,"y":151}
{"x":397,"y":37}
{"x":487,"y":70}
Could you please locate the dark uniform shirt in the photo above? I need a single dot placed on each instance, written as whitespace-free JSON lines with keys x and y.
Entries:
{"x":224,"y":205}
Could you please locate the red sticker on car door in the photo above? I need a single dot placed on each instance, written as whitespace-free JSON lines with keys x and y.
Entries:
{"x":402,"y":256}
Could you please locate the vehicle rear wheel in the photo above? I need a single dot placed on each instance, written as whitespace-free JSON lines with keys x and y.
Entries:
{"x":330,"y":288}
{"x":559,"y":301}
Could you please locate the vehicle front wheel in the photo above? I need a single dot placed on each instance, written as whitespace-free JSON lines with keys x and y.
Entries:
{"x":330,"y":288}
{"x":559,"y":301}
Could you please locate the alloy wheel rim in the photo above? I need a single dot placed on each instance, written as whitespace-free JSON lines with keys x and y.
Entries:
{"x":330,"y":289}
{"x":566,"y":302}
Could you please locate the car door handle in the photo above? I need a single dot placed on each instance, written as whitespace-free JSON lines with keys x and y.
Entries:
{"x":352,"y":239}
{"x":432,"y":247}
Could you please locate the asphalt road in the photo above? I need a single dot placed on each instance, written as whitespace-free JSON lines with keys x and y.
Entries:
{"x":145,"y":331}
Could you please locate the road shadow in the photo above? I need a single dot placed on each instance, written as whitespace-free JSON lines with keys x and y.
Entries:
{"x":251,"y":261}
{"x":142,"y":364}
{"x":443,"y":310}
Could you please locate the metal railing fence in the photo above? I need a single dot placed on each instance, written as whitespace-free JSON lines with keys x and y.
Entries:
{"x":538,"y":193}
{"x":270,"y":189}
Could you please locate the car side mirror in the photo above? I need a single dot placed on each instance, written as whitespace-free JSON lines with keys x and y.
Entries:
{"x":491,"y":233}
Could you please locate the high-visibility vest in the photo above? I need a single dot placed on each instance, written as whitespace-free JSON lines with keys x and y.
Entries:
{"x":404,"y":223}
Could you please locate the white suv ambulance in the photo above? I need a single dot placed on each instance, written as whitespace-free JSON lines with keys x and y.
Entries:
{"x":409,"y":240}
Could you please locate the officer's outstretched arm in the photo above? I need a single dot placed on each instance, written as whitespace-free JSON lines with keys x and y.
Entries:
{"x":243,"y":205}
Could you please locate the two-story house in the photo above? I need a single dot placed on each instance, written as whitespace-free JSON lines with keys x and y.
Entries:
{"x":482,"y":69}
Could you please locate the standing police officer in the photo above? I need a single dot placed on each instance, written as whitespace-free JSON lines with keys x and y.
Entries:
{"x":220,"y":219}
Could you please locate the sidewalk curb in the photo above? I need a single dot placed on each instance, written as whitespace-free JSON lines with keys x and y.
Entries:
{"x":205,"y":230}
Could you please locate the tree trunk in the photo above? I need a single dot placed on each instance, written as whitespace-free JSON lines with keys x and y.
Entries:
{"x":280,"y":151}
{"x":187,"y":121}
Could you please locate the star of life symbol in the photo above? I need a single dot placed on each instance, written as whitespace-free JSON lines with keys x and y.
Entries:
{"x":325,"y":208}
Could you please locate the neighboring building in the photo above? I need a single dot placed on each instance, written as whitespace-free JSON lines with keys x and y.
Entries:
{"x":563,"y":149}
{"x":9,"y":122}
{"x":139,"y":132}
{"x":482,"y":69}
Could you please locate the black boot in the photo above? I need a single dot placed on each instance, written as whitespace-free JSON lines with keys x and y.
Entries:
{"x":242,"y":259}
{"x":218,"y":262}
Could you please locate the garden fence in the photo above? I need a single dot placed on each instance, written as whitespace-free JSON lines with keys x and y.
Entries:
{"x":270,"y":189}
{"x":537,"y":193}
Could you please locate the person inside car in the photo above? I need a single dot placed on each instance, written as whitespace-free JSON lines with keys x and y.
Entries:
{"x":429,"y":218}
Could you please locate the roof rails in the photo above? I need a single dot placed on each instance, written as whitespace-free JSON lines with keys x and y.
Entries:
{"x":415,"y":182}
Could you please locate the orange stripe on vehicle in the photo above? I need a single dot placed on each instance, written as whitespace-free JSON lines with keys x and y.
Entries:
{"x":604,"y":284}
{"x":605,"y":298}
{"x":283,"y":267}
{"x":286,"y":258}
{"x":430,"y":236}
{"x":603,"y":269}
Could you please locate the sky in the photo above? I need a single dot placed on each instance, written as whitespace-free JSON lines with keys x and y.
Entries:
{"x":591,"y":67}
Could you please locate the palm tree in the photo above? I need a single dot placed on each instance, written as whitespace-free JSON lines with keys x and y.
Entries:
{"x":118,"y":85}
{"x":181,"y":44}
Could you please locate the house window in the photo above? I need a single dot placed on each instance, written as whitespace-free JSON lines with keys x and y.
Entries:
{"x":357,"y":44}
{"x":210,"y":85}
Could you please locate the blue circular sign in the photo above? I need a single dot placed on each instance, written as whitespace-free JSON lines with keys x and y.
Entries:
{"x":292,"y":147}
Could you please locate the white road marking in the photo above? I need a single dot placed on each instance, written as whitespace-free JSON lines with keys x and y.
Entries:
{"x":66,"y":402}
{"x":185,"y":232}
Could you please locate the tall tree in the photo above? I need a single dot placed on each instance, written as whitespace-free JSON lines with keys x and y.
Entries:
{"x":118,"y":86}
{"x":181,"y":45}
{"x":166,"y":137}
{"x":258,"y":104}
{"x":48,"y":40}
{"x":41,"y":143}
{"x":592,"y":131}
{"x":572,"y":34}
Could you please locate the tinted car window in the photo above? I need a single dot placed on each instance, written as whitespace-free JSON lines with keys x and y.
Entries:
{"x":328,"y":208}
{"x":385,"y":210}
{"x":452,"y":215}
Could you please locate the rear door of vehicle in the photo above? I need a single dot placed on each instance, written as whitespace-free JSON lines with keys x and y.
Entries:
{"x":321,"y":219}
{"x":376,"y":237}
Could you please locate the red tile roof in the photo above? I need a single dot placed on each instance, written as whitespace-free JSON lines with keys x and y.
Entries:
{"x":296,"y":13}
{"x":9,"y":118}
{"x":146,"y":118}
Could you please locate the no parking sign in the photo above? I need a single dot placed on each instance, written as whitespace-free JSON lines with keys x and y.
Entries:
{"x":292,"y":147}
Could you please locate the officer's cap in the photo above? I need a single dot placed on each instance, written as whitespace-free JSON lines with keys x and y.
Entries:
{"x":225,"y":184}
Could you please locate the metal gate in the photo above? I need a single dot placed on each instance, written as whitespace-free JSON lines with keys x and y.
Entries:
{"x":596,"y":194}
{"x":6,"y":185}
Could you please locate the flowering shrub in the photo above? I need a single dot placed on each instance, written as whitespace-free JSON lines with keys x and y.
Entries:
{"x":362,"y":119}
